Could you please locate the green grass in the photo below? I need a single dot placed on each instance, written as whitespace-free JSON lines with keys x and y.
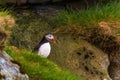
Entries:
{"x":4,"y":12}
{"x":30,"y":28}
{"x":90,"y":17}
{"x":39,"y":68}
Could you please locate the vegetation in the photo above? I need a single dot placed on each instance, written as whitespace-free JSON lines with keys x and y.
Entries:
{"x":35,"y":66}
{"x":3,"y":13}
{"x":39,"y":68}
{"x":91,"y":17}
{"x":30,"y":28}
{"x":6,"y":20}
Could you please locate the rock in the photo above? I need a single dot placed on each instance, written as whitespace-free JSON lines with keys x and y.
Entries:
{"x":48,"y":11}
{"x":107,"y":38}
{"x":37,"y":1}
{"x":19,"y":2}
{"x":56,"y":0}
{"x":114,"y":68}
{"x":82,"y":58}
{"x":9,"y":70}
{"x":29,"y":1}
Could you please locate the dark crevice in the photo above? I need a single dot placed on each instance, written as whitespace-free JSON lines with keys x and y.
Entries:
{"x":78,"y":53}
{"x":86,"y":56}
{"x":86,"y":68}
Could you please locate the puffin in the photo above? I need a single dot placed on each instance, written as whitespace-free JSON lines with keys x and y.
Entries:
{"x":44,"y":48}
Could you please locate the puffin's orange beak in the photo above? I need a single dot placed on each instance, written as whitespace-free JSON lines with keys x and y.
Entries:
{"x":53,"y":40}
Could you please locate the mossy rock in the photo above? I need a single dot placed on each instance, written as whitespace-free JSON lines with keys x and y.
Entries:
{"x":80,"y":57}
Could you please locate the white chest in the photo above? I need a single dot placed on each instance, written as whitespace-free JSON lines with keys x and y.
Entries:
{"x":44,"y":50}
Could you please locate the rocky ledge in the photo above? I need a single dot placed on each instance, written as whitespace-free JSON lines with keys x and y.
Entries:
{"x":10,"y":70}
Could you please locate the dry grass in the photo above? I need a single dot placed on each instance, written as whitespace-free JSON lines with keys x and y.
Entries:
{"x":6,"y":22}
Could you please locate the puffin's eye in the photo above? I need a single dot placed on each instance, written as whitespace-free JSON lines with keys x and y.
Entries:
{"x":50,"y":36}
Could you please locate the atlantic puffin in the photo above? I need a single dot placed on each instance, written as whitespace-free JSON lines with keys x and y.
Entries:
{"x":44,"y":48}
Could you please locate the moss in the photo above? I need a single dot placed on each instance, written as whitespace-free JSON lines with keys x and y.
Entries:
{"x":38,"y":67}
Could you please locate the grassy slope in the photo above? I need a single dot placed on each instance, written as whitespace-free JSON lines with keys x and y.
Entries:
{"x":39,"y":68}
{"x":91,"y":17}
{"x":36,"y":67}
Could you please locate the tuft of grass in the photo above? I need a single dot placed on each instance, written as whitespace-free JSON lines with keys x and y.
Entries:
{"x":90,"y":17}
{"x":39,"y":68}
{"x":4,"y":12}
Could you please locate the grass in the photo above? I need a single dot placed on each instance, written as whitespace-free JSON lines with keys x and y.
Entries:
{"x":6,"y":20}
{"x":30,"y":29}
{"x":90,"y":17}
{"x":4,"y":12}
{"x":39,"y":68}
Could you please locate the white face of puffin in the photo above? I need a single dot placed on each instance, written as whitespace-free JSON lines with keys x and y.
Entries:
{"x":50,"y":38}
